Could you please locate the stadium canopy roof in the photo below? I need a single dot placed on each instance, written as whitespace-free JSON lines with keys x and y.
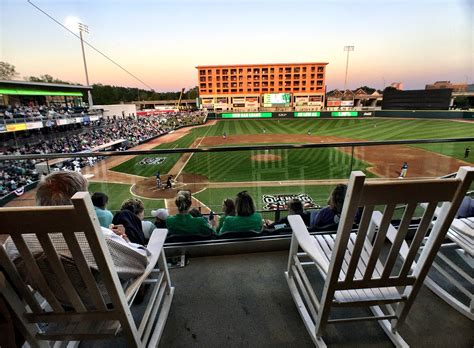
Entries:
{"x":8,"y":87}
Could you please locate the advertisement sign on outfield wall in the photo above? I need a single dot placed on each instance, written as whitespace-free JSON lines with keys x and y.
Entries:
{"x":308,"y":114}
{"x":3,"y":128}
{"x":246,"y":114}
{"x":347,"y":103}
{"x":343,"y":113}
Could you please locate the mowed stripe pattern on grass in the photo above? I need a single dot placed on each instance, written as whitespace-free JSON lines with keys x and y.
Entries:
{"x":366,"y":129}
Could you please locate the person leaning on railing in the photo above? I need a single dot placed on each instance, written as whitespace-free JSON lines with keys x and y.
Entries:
{"x":184,"y":223}
{"x":247,"y":219}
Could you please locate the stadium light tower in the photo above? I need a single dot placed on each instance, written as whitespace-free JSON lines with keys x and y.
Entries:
{"x":85,"y":28}
{"x":347,"y":49}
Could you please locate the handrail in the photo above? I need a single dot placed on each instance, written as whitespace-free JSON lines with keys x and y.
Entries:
{"x":236,"y":148}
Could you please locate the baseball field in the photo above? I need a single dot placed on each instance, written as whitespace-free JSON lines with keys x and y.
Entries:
{"x":212,"y":176}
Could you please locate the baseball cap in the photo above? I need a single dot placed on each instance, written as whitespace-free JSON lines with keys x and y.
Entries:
{"x":161,"y":214}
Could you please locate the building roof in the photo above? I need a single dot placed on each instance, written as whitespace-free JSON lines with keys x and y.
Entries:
{"x":15,"y":83}
{"x":263,"y":64}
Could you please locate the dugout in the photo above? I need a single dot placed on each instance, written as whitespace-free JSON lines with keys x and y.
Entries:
{"x":424,"y":99}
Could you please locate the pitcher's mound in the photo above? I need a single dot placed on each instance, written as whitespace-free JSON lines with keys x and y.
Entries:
{"x":266,"y":158}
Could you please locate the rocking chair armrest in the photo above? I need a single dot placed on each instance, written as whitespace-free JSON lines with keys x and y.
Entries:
{"x":155,"y":246}
{"x":308,"y":242}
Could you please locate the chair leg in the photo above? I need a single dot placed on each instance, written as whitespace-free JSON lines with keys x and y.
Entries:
{"x":387,"y":327}
{"x":300,"y":305}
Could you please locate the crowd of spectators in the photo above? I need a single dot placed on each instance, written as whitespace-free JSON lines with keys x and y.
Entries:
{"x":129,"y":130}
{"x":34,"y":112}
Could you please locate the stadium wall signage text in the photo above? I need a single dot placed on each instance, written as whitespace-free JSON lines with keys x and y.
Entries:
{"x":280,"y":201}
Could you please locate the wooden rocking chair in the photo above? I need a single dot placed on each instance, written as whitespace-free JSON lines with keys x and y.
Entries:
{"x":43,"y":315}
{"x":375,"y":270}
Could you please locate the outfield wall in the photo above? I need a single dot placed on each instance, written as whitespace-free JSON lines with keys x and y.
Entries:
{"x":338,"y":114}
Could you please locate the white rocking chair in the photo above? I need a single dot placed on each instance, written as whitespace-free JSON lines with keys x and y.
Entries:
{"x":356,"y":270}
{"x":44,"y":318}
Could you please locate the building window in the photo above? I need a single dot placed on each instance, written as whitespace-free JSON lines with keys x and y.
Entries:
{"x":288,"y":70}
{"x":303,"y":89}
{"x":241,"y":90}
{"x":272,"y":70}
{"x":319,"y":83}
{"x":249,"y":70}
{"x":304,"y":69}
{"x":280,"y":89}
{"x":313,"y":69}
{"x":320,"y":76}
{"x":319,"y":88}
{"x":218,"y":90}
{"x":225,"y":91}
{"x":218,"y":78}
{"x":280,"y":70}
{"x":209,"y":72}
{"x":280,"y":77}
{"x":233,"y":71}
{"x":256,"y":71}
{"x":202,"y":85}
{"x":202,"y":72}
{"x":209,"y":85}
{"x":241,"y":71}
{"x":241,"y":78}
{"x":312,"y":88}
{"x":296,"y":70}
{"x":272,"y":77}
{"x":218,"y":71}
{"x":233,"y":90}
{"x":209,"y":78}
{"x":312,"y":76}
{"x":241,"y":84}
{"x":225,"y":71}
{"x":303,"y":83}
{"x":225,"y":85}
{"x":210,"y":91}
{"x":280,"y":83}
{"x":202,"y":79}
{"x":303,"y":76}
{"x":320,"y":68}
{"x":272,"y":83}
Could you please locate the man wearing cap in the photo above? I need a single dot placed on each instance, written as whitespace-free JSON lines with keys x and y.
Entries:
{"x":160,"y":216}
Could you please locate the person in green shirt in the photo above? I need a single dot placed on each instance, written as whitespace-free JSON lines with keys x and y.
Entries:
{"x":247,"y":219}
{"x":184,"y":223}
{"x":228,"y":209}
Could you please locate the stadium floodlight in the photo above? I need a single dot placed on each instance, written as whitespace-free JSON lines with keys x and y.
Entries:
{"x":85,"y":28}
{"x":347,"y":49}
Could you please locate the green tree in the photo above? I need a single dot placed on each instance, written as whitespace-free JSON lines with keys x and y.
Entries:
{"x":49,"y":79}
{"x":7,"y":71}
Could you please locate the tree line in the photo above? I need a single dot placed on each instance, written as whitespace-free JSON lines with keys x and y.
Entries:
{"x":103,"y":94}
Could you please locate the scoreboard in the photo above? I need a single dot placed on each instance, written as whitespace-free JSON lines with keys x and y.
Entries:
{"x":276,"y":99}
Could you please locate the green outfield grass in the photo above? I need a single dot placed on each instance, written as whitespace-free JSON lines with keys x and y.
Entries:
{"x":119,"y":192}
{"x":326,"y":163}
{"x":306,"y":163}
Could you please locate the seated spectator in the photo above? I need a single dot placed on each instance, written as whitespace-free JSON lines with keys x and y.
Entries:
{"x":160,"y":216}
{"x":184,"y":223}
{"x":466,"y":209}
{"x":130,"y":216}
{"x":195,"y":212}
{"x":130,"y":259}
{"x":295,"y":207}
{"x":247,"y":218}
{"x":100,"y":200}
{"x":228,"y":209}
{"x":330,"y":215}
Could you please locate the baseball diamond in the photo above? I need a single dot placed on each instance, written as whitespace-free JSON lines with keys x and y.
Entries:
{"x":214,"y":176}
